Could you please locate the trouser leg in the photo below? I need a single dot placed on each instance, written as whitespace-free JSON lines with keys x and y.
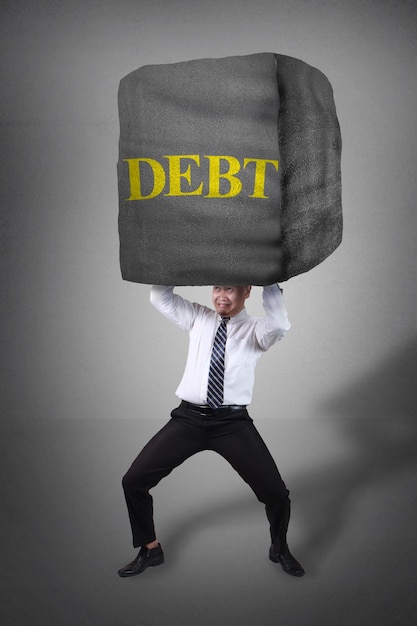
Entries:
{"x":248,"y":454}
{"x":172,"y":445}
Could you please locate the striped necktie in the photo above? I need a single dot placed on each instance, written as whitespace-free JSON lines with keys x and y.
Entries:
{"x":216,"y":371}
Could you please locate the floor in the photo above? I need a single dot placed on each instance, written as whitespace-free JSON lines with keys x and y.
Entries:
{"x":65,"y":531}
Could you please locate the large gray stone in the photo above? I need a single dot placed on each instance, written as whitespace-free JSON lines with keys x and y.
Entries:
{"x":229,"y":171}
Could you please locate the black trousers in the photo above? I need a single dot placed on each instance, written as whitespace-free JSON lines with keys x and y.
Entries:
{"x":233,"y":436}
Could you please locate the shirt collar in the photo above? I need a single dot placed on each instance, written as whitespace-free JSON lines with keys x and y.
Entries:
{"x":236,"y":318}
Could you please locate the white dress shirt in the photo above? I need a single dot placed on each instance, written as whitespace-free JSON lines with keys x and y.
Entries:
{"x":247,"y":339}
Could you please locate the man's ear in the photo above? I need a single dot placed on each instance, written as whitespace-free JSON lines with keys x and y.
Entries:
{"x":248,"y":289}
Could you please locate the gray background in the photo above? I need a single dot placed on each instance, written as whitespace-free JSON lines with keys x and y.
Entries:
{"x":86,"y":375}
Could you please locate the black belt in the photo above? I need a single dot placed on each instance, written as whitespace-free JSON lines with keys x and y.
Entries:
{"x":204,"y":409}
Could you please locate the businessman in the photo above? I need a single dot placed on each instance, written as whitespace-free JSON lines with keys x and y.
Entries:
{"x":216,"y":388}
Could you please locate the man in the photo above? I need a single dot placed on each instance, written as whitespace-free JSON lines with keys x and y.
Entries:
{"x":224,"y":346}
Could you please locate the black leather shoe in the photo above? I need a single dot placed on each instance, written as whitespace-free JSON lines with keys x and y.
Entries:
{"x":146,"y":558}
{"x":289,"y":564}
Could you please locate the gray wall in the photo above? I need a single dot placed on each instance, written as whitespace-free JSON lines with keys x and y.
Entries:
{"x":80,"y":342}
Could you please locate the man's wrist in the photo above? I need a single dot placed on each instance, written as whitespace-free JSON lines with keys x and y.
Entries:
{"x":273,"y":286}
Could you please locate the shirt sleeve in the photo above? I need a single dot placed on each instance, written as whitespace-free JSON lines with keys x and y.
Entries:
{"x":172,"y":306}
{"x":275,"y":324}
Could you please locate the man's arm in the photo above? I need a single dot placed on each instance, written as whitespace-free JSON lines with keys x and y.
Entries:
{"x":172,"y":306}
{"x":275,"y":324}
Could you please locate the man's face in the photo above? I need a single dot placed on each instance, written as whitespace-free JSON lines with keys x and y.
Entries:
{"x":229,"y":301}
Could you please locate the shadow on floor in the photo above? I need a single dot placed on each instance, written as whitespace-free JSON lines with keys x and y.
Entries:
{"x":376,"y":417}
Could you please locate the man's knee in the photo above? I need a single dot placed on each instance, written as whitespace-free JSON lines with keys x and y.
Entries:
{"x":126,"y":481}
{"x":279,"y":494}
{"x":282,"y":494}
{"x":133,"y":479}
